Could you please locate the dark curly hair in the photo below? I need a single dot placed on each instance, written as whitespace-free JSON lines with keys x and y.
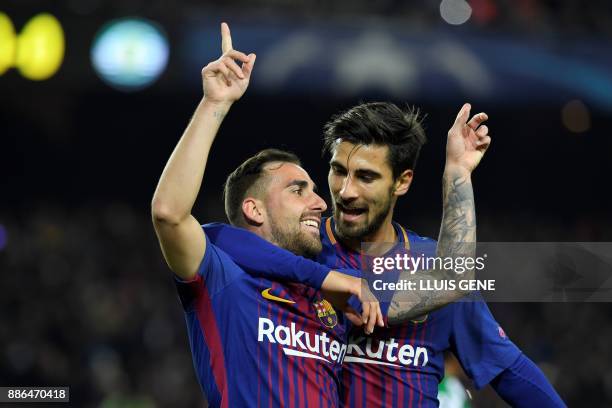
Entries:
{"x":380,"y":123}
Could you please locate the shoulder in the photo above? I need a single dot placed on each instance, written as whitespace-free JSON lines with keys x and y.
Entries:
{"x":326,"y":230}
{"x":219,"y":237}
{"x":473,"y":308}
{"x":217,"y":234}
{"x":217,"y":228}
{"x":328,"y":255}
{"x":414,"y":237}
{"x":408,"y":234}
{"x":416,"y":242}
{"x":232,"y":239}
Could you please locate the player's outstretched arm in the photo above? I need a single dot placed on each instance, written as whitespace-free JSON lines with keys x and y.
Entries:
{"x":466,"y":144}
{"x":264,"y":259}
{"x":524,"y":385}
{"x":180,"y":235}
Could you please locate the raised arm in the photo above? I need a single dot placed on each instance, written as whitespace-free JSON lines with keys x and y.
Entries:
{"x":467,"y":142}
{"x":180,"y":235}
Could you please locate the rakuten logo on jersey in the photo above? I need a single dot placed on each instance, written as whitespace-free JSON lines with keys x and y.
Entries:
{"x":385,"y":352}
{"x":300,"y":343}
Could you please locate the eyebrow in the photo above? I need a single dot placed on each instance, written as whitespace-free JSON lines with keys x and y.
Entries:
{"x":301,"y":184}
{"x":360,"y":172}
{"x":367,"y":172}
{"x":336,"y":164}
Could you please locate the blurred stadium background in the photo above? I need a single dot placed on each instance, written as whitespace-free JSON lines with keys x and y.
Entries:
{"x":86,"y":299}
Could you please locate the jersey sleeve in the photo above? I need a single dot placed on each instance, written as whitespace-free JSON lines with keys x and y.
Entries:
{"x":216,"y":271}
{"x":523,"y":384}
{"x":261,"y":258}
{"x":479,"y":342}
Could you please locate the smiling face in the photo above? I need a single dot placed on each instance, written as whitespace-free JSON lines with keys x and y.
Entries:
{"x":362,"y":188}
{"x":293,"y":209}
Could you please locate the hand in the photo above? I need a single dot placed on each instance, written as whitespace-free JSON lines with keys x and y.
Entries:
{"x":223,"y":80}
{"x":371,"y":313}
{"x":467,"y":142}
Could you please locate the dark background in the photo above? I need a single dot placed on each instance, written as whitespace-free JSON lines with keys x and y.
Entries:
{"x":86,"y":299}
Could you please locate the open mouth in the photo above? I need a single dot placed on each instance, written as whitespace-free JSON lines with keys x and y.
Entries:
{"x":311,"y":224}
{"x":350,"y":214}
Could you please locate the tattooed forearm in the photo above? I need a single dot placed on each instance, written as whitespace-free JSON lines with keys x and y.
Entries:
{"x":219,"y":115}
{"x":457,"y":239}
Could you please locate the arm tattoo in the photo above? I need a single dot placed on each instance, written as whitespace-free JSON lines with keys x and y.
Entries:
{"x":457,"y":239}
{"x":219,"y":115}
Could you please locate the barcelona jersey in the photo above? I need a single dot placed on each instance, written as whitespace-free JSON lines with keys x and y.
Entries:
{"x":401,"y":366}
{"x":257,"y":341}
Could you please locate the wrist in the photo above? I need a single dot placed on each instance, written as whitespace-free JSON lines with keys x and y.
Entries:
{"x":220,"y":106}
{"x":456,"y":171}
{"x":354,"y":285}
{"x":339,"y":282}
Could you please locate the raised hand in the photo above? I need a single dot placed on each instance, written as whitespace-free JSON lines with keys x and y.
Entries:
{"x":467,"y":141}
{"x":224,"y":81}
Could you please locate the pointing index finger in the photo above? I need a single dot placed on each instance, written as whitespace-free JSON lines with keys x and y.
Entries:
{"x":226,"y":38}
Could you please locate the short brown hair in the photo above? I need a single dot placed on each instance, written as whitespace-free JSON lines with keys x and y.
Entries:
{"x":246,"y":179}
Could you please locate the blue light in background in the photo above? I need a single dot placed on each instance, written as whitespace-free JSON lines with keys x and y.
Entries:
{"x":3,"y":237}
{"x":130,"y":54}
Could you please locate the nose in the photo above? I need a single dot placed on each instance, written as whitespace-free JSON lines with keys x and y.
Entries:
{"x":318,"y":204}
{"x":348,"y":192}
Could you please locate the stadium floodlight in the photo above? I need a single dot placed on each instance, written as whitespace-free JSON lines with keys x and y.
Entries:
{"x":37,"y":52}
{"x":8,"y":39}
{"x":576,"y":117}
{"x":40,"y":47}
{"x":130,"y":54}
{"x":455,"y":12}
{"x":3,"y":237}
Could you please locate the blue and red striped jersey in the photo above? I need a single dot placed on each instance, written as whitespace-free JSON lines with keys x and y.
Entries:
{"x":401,"y":366}
{"x":257,"y":341}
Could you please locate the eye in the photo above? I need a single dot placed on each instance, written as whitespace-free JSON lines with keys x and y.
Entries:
{"x":366,"y":179}
{"x":338,"y":170}
{"x":298,"y":191}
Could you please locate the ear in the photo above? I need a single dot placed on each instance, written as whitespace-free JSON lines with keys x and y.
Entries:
{"x":402,"y":183}
{"x":252,"y":210}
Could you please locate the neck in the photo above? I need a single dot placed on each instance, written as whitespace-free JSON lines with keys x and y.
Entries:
{"x":264,"y":233}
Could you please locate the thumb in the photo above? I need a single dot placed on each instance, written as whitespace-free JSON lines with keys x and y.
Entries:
{"x":247,"y":67}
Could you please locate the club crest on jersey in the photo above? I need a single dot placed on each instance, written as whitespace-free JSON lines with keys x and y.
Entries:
{"x":326,"y":313}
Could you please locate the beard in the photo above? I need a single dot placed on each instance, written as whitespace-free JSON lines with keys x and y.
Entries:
{"x":289,"y":235}
{"x":362,"y":230}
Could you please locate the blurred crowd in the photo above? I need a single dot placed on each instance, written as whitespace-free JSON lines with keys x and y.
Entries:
{"x":87,"y":301}
{"x":544,"y":17}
